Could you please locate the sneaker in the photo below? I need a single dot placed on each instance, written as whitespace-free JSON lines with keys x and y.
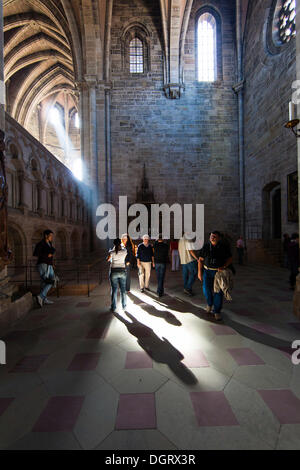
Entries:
{"x":142,"y":290}
{"x":147,"y":288}
{"x":208,"y":308}
{"x":39,"y":300}
{"x":48,"y":302}
{"x":188,"y":292}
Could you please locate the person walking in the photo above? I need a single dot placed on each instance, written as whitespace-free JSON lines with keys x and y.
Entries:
{"x":161,"y":251}
{"x":144,"y":260}
{"x":293,"y":258}
{"x":130,"y":258}
{"x":44,"y":251}
{"x":117,"y":275}
{"x":188,"y":260}
{"x":240,"y":247}
{"x":174,"y":255}
{"x":214,"y":256}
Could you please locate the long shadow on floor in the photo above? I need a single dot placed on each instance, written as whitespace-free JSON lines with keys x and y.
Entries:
{"x":165,"y":314}
{"x":160,"y":350}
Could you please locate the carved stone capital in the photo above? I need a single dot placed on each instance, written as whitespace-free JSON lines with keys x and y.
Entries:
{"x":173,"y":91}
{"x":238,"y":87}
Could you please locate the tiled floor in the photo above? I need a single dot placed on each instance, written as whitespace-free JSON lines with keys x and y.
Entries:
{"x":163,"y":375}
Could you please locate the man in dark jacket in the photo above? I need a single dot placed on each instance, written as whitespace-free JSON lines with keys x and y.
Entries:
{"x":214,"y":256}
{"x":161,"y":250}
{"x":44,"y":252}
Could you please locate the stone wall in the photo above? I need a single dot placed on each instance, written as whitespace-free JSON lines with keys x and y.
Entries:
{"x":270,"y":149}
{"x":188,"y":145}
{"x":43,"y":194}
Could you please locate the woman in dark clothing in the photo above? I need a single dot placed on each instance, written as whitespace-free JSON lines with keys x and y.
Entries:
{"x":130,"y":258}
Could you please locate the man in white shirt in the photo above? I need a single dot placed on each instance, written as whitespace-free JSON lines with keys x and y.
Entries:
{"x":189,"y":262}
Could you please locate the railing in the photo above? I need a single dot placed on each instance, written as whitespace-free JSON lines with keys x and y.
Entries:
{"x":67,"y":271}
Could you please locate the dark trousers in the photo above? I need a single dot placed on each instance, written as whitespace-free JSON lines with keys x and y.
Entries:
{"x":240,"y":254}
{"x":293,"y":273}
{"x":160,"y":269}
{"x":128,"y":268}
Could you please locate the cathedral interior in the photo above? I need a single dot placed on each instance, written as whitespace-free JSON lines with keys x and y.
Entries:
{"x":188,"y":102}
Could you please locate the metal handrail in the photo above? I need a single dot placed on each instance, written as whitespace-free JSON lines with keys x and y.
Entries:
{"x":29,"y":270}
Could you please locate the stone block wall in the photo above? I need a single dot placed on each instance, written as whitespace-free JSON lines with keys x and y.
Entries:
{"x":188,"y":145}
{"x":270,"y":149}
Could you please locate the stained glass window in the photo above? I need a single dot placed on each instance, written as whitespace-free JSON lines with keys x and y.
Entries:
{"x":287,"y":20}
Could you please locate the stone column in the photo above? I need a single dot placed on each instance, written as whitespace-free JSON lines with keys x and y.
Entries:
{"x":239,"y":90}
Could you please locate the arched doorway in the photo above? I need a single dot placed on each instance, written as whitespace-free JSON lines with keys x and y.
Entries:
{"x":75,"y":245}
{"x":84,"y":244}
{"x":16,"y":244}
{"x":271,"y":208}
{"x":37,"y":236}
{"x":60,"y":244}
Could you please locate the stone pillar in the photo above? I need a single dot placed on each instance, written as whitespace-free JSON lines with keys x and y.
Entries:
{"x":297,"y":290}
{"x":239,"y":90}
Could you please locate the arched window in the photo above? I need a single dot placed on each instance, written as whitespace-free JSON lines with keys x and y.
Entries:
{"x":135,"y":49}
{"x":136,"y":56}
{"x":207,"y":47}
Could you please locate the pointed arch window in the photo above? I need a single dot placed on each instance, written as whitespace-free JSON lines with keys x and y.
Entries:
{"x":136,"y":56}
{"x":207,"y":48}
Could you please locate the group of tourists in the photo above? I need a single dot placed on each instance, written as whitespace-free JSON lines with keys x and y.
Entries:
{"x":214,"y":258}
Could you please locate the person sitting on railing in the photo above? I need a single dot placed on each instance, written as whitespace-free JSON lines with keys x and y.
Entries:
{"x":44,"y":252}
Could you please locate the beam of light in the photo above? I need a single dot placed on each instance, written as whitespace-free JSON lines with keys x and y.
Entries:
{"x":72,"y":161}
{"x":76,"y":121}
{"x":77,"y":169}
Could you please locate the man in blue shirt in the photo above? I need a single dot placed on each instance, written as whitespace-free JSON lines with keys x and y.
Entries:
{"x":144,"y":259}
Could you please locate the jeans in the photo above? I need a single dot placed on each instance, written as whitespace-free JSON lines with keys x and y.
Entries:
{"x":45,"y":270}
{"x":189,"y":272}
{"x":212,"y":299}
{"x":160,"y":269}
{"x":118,"y":279}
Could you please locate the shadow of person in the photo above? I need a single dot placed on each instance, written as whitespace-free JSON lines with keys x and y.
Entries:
{"x":160,"y":350}
{"x":165,"y":314}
